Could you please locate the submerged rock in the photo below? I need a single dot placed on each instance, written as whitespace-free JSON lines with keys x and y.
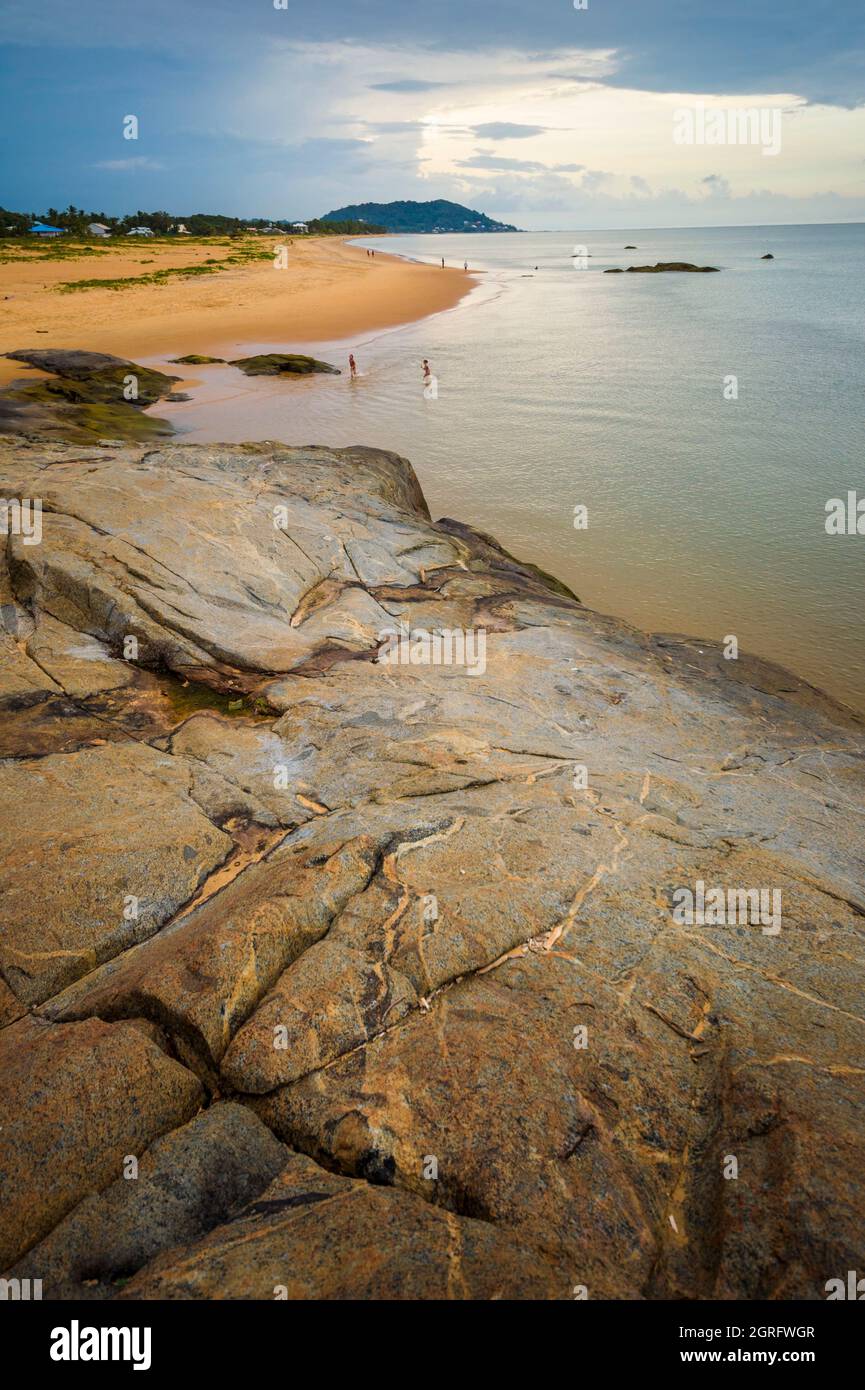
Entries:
{"x":282,"y":364}
{"x":409,"y":908}
{"x":768,"y":257}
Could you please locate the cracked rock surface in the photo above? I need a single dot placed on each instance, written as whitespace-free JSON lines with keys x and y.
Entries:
{"x":372,"y":966}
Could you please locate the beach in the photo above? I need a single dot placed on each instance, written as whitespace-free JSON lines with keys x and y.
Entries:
{"x":328,"y":289}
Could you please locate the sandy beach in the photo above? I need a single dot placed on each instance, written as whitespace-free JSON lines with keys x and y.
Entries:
{"x":328,"y":289}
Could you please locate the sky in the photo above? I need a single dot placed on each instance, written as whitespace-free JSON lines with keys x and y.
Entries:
{"x":539,"y":113}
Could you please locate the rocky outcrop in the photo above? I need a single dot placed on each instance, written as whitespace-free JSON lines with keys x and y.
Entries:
{"x":282,"y":364}
{"x":196,"y":359}
{"x":369,"y":948}
{"x":89,"y":396}
{"x":660,"y":267}
{"x":184,"y":1184}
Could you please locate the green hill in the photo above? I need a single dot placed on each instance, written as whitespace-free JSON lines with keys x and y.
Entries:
{"x":436,"y":216}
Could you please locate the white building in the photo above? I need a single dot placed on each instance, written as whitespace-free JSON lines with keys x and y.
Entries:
{"x":139,"y":231}
{"x":98,"y":229}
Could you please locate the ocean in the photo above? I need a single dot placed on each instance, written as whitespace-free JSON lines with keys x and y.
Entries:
{"x":697,"y":424}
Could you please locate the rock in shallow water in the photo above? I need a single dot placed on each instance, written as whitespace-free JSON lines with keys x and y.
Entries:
{"x":89,"y":396}
{"x":282,"y":364}
{"x":419,"y":921}
{"x":660,"y":267}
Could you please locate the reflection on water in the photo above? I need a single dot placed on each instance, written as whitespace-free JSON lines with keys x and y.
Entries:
{"x":560,"y":387}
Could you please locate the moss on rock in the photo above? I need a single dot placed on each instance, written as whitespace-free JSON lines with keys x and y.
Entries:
{"x":282,"y":364}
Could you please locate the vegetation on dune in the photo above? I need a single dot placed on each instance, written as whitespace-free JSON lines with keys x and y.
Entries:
{"x":242,"y":256}
{"x":55,"y":250}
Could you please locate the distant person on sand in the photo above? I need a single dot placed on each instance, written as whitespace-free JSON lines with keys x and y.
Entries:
{"x":352,"y":365}
{"x":465,"y":265}
{"x":443,"y":262}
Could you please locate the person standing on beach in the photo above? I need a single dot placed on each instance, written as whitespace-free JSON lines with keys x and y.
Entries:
{"x":352,"y":365}
{"x":465,"y":265}
{"x":430,"y":383}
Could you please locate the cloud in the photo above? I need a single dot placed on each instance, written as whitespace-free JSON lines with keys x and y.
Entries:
{"x":716,"y":186}
{"x":792,"y":45}
{"x":406,"y":84}
{"x":137,"y":162}
{"x":269,"y":113}
{"x":390,"y":127}
{"x":507,"y":130}
{"x":526,"y":166}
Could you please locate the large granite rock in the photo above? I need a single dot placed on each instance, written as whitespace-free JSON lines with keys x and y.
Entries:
{"x":314,"y":1234}
{"x":418,"y":922}
{"x":183,"y":1185}
{"x":76,"y":1101}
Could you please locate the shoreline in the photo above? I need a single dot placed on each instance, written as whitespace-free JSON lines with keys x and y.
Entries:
{"x":329,"y":290}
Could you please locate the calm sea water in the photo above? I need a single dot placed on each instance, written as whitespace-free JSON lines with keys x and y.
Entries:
{"x":560,"y":387}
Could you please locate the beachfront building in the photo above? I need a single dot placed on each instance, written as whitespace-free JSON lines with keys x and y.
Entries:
{"x":299,"y":227}
{"x":98,"y":229}
{"x":44,"y":229}
{"x":139,"y":231}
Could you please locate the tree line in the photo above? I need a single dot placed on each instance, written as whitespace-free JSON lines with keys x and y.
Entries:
{"x":76,"y":221}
